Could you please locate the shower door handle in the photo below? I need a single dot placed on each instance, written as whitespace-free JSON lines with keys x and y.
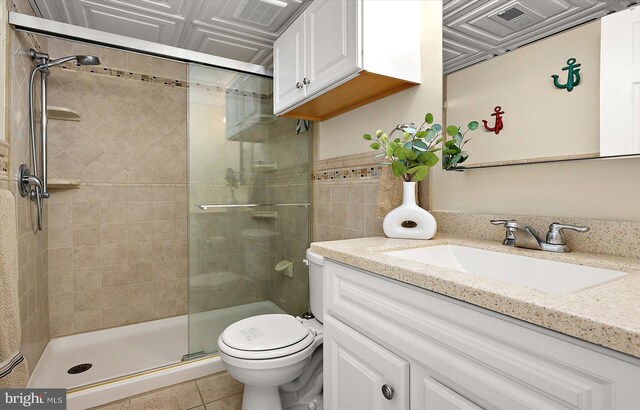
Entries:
{"x":204,"y":207}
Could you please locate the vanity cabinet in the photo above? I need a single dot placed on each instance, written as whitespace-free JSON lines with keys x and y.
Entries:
{"x":341,"y":54}
{"x":458,"y":356}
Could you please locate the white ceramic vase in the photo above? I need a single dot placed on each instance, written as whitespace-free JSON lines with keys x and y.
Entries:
{"x":425,"y":224}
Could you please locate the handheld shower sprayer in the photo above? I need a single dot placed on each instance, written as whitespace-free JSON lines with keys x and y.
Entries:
{"x":31,"y":182}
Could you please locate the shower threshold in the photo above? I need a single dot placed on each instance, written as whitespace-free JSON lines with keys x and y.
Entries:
{"x":131,"y":349}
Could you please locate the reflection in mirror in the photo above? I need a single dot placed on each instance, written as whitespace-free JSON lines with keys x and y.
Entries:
{"x":546,"y":81}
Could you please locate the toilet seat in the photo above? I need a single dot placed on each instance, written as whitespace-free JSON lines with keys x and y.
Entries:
{"x":266,"y":337}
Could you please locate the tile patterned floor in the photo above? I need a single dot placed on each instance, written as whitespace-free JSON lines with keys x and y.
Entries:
{"x":216,"y":392}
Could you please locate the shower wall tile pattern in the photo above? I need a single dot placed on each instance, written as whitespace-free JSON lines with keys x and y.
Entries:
{"x":32,"y":246}
{"x":118,"y":245}
{"x":344,"y":198}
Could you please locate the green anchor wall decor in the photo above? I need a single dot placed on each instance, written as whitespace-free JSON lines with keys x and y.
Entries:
{"x":573,"y":75}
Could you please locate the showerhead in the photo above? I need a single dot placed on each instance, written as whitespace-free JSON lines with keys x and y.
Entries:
{"x":87,"y":60}
{"x":80,"y":60}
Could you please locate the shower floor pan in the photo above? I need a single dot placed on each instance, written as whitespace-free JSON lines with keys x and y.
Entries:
{"x":127,"y":350}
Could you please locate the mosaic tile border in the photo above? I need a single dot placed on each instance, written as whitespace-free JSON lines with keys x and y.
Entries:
{"x":112,"y":72}
{"x":367,"y":172}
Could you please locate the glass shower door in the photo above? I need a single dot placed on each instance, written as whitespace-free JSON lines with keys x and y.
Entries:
{"x":249,"y":204}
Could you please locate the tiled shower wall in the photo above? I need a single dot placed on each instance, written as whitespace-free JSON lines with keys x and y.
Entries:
{"x":118,"y":245}
{"x":32,"y":245}
{"x":345,"y":193}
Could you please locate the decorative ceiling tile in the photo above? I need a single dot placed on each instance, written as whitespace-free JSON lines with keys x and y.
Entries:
{"x":242,"y":30}
{"x":476,"y":30}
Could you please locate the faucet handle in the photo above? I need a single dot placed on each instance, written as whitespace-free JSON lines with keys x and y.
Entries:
{"x":511,"y":226}
{"x":554,"y":236}
{"x":502,"y":222}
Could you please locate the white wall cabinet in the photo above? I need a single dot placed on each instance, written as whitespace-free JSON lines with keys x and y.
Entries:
{"x":459,"y":356}
{"x":288,"y":56}
{"x":341,"y":54}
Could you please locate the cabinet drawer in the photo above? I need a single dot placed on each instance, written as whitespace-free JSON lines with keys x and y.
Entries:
{"x":494,"y":363}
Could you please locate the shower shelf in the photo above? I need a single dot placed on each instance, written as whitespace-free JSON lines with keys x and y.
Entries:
{"x":264,"y":167}
{"x":64,"y":184}
{"x":264,"y":214}
{"x":62,"y":113}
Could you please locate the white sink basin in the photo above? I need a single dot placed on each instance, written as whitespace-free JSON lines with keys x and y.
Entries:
{"x":536,"y":273}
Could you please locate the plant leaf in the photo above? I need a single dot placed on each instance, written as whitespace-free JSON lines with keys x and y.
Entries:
{"x":458,"y":139}
{"x":436,"y":127}
{"x":419,"y":172}
{"x":399,"y":153}
{"x":398,"y":168}
{"x":367,"y":137}
{"x":452,"y":130}
{"x":473,"y":125}
{"x":410,"y":154}
{"x":389,"y":151}
{"x":420,"y":146}
{"x":428,"y":158}
{"x":428,"y":118}
{"x":375,"y":145}
{"x":420,"y":134}
{"x":379,"y":133}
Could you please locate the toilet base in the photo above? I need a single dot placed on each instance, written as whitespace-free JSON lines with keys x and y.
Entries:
{"x":263,"y":398}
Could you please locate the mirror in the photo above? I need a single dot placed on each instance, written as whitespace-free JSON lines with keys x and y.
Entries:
{"x":547,"y":81}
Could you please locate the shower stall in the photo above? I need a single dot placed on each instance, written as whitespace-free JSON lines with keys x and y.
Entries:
{"x":178,"y":204}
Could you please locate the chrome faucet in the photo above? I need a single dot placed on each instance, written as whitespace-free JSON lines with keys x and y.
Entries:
{"x":523,"y":236}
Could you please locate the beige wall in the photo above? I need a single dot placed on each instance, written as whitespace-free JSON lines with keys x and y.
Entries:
{"x":117,"y":245}
{"x":342,"y":135}
{"x":540,"y":120}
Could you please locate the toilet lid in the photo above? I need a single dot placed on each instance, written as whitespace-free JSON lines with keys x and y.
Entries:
{"x":266,"y":332}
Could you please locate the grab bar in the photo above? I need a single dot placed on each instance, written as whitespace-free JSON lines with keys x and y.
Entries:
{"x":208,"y":206}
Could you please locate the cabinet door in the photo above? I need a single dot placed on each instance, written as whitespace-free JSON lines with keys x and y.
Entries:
{"x":288,"y":67}
{"x":428,"y":393}
{"x":332,"y":42}
{"x":356,"y":369}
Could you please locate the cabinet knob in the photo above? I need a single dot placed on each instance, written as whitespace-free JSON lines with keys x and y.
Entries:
{"x":387,"y":392}
{"x":306,"y":81}
{"x":299,"y":85}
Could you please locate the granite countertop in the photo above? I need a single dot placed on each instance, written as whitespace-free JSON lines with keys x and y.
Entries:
{"x":607,"y":314}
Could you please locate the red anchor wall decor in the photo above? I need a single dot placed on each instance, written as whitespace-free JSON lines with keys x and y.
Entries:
{"x":499,"y":125}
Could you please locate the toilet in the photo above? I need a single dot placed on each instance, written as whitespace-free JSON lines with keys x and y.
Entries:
{"x":278,"y":357}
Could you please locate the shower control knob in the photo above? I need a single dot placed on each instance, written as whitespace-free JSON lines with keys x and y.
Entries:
{"x":298,"y":85}
{"x":306,"y":81}
{"x":387,"y":392}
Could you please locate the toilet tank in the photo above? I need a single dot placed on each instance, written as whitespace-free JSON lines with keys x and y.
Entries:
{"x":316,"y":270}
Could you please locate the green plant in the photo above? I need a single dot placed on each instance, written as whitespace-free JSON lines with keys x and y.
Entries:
{"x":411,"y":156}
{"x":452,"y":153}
